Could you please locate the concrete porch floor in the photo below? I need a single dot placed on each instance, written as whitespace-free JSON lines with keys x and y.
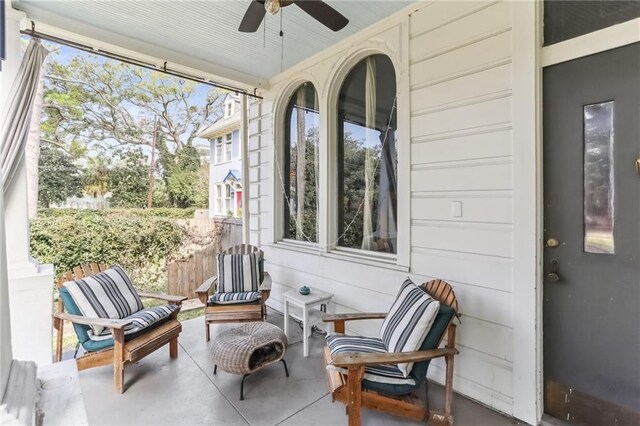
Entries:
{"x":184,"y":391}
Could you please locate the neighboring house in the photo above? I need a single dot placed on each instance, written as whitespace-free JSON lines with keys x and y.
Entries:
{"x":225,"y":165}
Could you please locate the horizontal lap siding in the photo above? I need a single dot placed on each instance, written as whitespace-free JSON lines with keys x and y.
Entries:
{"x":461,"y":146}
{"x":461,"y":150}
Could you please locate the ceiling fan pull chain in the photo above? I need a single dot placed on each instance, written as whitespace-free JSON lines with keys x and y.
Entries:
{"x":281,"y":42}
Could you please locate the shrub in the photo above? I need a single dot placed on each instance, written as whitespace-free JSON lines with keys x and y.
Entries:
{"x":139,"y":240}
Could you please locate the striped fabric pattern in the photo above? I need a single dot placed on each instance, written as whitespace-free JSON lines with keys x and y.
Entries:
{"x":234,"y":298}
{"x":408,"y":321}
{"x":107,"y":294}
{"x":389,"y":374}
{"x":238,"y":273}
{"x":141,"y":320}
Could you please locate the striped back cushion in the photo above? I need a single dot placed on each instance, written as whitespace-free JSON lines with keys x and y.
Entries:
{"x":238,"y":273}
{"x":408,"y":321}
{"x":107,"y":294}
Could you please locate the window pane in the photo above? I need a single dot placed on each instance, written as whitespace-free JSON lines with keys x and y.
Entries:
{"x":367,"y":157}
{"x":219,"y":150}
{"x":300,"y":177}
{"x":598,"y":178}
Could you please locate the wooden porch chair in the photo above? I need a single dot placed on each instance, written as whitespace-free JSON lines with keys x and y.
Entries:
{"x":236,"y":309}
{"x":350,"y":384}
{"x":119,"y":347}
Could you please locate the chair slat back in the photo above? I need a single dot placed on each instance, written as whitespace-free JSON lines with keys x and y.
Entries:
{"x":78,"y":272}
{"x":81,"y":271}
{"x":442,"y":292}
{"x":244,"y":249}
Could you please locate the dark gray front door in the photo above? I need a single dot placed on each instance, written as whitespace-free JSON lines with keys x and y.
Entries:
{"x":592,"y":238}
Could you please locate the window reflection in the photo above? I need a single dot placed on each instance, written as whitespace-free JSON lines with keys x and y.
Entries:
{"x":367,"y":157}
{"x":301,"y":165}
{"x":598,"y":178}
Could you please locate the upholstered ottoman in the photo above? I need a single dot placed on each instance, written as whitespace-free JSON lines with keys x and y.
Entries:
{"x":248,"y":348}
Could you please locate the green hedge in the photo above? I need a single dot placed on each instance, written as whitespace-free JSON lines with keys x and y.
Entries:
{"x":138,"y":240}
{"x":187,"y":213}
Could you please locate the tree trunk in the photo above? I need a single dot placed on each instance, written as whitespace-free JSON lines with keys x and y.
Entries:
{"x":32,"y":152}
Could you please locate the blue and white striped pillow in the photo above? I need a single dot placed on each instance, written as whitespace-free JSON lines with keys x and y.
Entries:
{"x":408,"y":321}
{"x":107,"y":294}
{"x":238,"y":273}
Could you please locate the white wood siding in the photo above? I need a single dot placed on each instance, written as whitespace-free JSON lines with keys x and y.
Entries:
{"x":456,"y":58}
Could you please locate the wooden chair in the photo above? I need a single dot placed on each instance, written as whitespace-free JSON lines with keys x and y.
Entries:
{"x":350,"y":389}
{"x":235,"y":312}
{"x":123,"y":350}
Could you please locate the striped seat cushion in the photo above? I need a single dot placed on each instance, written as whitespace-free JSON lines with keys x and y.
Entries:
{"x":234,"y":298}
{"x":408,"y":321}
{"x":107,"y":294}
{"x":238,"y":273}
{"x":389,"y":374}
{"x":142,"y":319}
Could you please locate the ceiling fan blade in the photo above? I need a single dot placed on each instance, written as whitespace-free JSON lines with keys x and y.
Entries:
{"x":324,"y":13}
{"x":253,"y":17}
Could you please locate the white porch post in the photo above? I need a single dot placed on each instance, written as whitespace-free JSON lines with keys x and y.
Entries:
{"x":244,"y":139}
{"x":30,"y":284}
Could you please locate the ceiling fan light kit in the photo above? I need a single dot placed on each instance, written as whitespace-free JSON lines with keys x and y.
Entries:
{"x":272,"y":6}
{"x":317,"y":9}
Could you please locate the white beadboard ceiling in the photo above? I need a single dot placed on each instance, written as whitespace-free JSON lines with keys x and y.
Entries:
{"x":207,"y":31}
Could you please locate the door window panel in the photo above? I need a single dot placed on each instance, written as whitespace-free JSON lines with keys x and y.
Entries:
{"x":599,"y":188}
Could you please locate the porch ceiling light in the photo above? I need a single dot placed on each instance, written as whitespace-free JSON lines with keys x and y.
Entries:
{"x":272,"y":6}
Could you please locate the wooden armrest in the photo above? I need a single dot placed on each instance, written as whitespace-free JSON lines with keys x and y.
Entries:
{"x":266,"y":282}
{"x":353,"y":317}
{"x":167,"y":297}
{"x":363,"y":358}
{"x":206,"y":286}
{"x":100,"y":322}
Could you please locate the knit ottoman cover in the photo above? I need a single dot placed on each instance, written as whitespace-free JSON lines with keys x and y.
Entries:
{"x":248,"y":348}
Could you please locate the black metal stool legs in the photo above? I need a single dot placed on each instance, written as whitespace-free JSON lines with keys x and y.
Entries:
{"x":242,"y":387}
{"x":286,"y":370}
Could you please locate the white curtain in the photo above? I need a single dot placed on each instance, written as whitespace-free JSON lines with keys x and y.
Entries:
{"x":370,"y":155}
{"x":301,"y":161}
{"x":16,"y":114}
{"x":316,"y":157}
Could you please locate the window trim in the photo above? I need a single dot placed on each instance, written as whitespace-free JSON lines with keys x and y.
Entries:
{"x":280,"y":133}
{"x":223,"y":140}
{"x":328,"y":92}
{"x":401,"y":258}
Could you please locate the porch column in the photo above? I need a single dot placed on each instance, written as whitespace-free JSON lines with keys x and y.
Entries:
{"x":30,"y":284}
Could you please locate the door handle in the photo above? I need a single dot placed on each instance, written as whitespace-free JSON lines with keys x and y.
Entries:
{"x":553,"y":276}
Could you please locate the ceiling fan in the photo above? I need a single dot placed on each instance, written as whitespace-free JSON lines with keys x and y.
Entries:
{"x":318,"y":9}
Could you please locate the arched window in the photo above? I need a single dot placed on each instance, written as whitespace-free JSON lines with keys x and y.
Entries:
{"x":367,"y":157}
{"x":300,"y":177}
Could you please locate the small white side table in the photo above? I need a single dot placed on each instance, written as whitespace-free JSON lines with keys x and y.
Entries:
{"x":302,"y":311}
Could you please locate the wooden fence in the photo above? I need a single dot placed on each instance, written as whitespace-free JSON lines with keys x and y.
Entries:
{"x":185,"y":276}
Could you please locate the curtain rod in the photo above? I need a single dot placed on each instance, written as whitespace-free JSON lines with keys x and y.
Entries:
{"x":100,"y":52}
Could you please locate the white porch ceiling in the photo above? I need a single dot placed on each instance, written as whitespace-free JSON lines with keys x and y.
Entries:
{"x":207,"y":31}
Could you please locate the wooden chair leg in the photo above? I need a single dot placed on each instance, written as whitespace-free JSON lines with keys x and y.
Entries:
{"x":207,"y":332}
{"x":118,"y":360}
{"x":59,"y":336}
{"x":173,"y":347}
{"x":354,"y":386}
{"x":451,"y":343}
